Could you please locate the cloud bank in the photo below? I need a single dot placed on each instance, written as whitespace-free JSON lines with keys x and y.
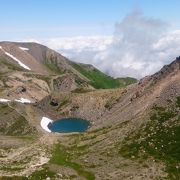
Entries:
{"x":139,"y":46}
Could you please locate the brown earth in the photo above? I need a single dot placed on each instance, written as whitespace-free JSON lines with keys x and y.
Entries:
{"x":114,"y":115}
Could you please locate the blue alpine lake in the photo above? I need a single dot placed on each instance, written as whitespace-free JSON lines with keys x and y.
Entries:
{"x":68,"y":125}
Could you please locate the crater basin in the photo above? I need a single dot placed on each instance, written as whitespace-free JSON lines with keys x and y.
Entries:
{"x":68,"y":125}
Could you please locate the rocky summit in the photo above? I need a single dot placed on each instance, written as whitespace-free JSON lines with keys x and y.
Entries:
{"x":134,"y":130}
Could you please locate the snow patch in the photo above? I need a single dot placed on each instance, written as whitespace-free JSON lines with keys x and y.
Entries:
{"x":17,"y":60}
{"x":4,"y":100}
{"x":24,"y":49}
{"x":45,"y":122}
{"x":0,"y":47}
{"x":23,"y":100}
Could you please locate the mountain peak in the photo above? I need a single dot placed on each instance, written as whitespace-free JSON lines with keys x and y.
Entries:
{"x":167,"y":70}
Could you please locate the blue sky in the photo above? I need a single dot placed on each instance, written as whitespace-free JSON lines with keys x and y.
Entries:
{"x":147,"y":32}
{"x":23,"y":19}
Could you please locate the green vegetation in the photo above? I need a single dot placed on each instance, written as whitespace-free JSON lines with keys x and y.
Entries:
{"x":159,"y":138}
{"x":42,"y":174}
{"x":80,"y":81}
{"x":11,"y":168}
{"x":52,"y":64}
{"x":13,"y":178}
{"x":45,"y":78}
{"x":20,"y":127}
{"x":10,"y":66}
{"x":100,"y":80}
{"x":178,"y":101}
{"x":53,"y":67}
{"x":4,"y":80}
{"x":5,"y":109}
{"x":13,"y":123}
{"x":127,"y":81}
{"x":61,"y":156}
{"x":109,"y":104}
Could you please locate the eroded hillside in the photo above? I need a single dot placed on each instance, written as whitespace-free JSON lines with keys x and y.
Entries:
{"x":134,"y":131}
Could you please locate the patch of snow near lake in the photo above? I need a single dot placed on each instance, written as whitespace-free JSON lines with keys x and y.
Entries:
{"x":17,"y":60}
{"x":23,"y":100}
{"x":23,"y":48}
{"x":45,"y":122}
{"x":4,"y":100}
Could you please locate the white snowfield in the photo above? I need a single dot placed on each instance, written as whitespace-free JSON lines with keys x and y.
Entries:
{"x":45,"y":122}
{"x":14,"y":58}
{"x":17,"y":60}
{"x":4,"y":100}
{"x":23,"y":48}
{"x":23,"y":100}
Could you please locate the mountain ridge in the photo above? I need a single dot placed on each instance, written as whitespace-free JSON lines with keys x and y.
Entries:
{"x":130,"y":125}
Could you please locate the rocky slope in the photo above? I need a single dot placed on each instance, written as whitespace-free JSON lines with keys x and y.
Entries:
{"x":134,"y":131}
{"x":33,"y":71}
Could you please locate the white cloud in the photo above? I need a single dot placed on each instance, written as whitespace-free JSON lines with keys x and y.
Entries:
{"x":140,"y":46}
{"x":80,"y":43}
{"x":32,"y":40}
{"x":132,"y":51}
{"x":82,"y":48}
